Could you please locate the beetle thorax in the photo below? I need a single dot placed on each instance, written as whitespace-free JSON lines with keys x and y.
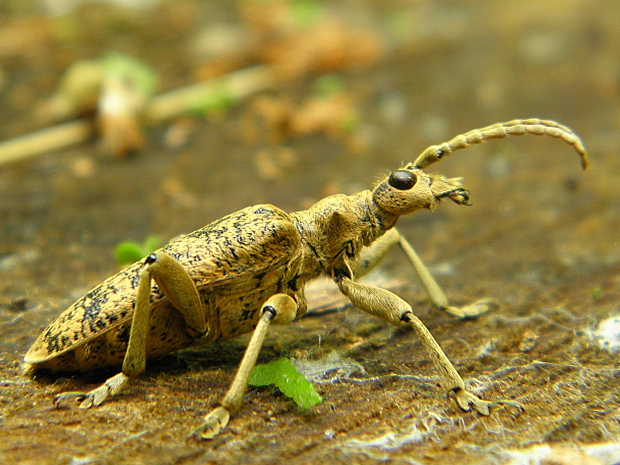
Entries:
{"x":336,"y":228}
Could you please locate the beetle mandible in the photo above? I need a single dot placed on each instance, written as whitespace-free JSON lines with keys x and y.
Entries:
{"x":247,"y":270}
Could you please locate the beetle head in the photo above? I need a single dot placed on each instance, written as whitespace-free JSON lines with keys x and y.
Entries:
{"x":409,"y":189}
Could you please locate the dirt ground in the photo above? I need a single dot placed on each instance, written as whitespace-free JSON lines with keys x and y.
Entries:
{"x":541,"y":237}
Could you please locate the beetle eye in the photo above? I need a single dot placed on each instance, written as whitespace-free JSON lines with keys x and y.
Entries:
{"x":402,"y":180}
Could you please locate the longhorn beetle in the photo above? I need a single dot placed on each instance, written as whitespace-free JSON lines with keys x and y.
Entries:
{"x":247,"y":270}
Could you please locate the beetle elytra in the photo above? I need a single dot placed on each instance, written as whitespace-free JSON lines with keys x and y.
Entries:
{"x":247,"y":270}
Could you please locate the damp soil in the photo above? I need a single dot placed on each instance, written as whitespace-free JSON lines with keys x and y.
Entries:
{"x":541,"y":238}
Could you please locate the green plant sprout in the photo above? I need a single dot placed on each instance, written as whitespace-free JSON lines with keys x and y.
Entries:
{"x":288,"y":380}
{"x":129,"y":252}
{"x":125,"y":67}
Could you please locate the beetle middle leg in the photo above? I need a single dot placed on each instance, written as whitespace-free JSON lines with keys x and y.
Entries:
{"x":179,"y":288}
{"x":373,"y":254}
{"x":391,"y":308}
{"x":279,"y":309}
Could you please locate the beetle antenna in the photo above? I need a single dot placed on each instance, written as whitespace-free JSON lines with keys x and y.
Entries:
{"x":516,"y":127}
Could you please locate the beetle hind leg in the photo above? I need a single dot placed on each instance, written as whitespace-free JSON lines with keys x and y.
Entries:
{"x":178,"y":287}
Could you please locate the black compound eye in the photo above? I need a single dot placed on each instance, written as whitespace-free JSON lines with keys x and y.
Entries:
{"x":402,"y":180}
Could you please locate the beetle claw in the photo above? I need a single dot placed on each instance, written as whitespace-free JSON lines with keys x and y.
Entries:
{"x":62,"y":400}
{"x":87,"y":400}
{"x":468,"y":401}
{"x":213,"y":424}
{"x":473,"y":310}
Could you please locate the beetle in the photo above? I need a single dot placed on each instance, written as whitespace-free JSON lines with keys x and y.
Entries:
{"x":247,"y":270}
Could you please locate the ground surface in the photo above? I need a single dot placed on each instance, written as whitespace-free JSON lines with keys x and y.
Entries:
{"x":542,"y":238}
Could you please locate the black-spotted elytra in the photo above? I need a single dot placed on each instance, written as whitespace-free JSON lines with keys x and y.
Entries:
{"x":247,"y":270}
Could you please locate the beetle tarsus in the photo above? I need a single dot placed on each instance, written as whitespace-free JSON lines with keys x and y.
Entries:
{"x":214,"y":423}
{"x":95,"y":397}
{"x":473,"y":310}
{"x":468,"y":401}
{"x":62,"y":400}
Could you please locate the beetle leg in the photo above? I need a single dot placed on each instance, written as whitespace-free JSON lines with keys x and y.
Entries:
{"x":179,"y":288}
{"x":279,"y":309}
{"x":388,"y":306}
{"x":437,"y":296}
{"x":371,"y":256}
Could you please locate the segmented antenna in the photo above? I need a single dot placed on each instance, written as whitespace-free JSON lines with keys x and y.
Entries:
{"x":516,"y":127}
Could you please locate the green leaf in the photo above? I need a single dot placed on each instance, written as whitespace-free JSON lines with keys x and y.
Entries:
{"x":328,"y":85}
{"x":350,"y":122}
{"x":128,"y":68}
{"x":288,"y":380}
{"x":151,"y":244}
{"x":306,"y":13}
{"x":218,"y":100}
{"x":596,"y":293}
{"x":128,"y":252}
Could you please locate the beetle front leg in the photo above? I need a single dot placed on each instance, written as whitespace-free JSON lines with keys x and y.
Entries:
{"x":388,"y":306}
{"x":279,"y":309}
{"x":437,"y":296}
{"x":178,"y":287}
{"x":372,"y":255}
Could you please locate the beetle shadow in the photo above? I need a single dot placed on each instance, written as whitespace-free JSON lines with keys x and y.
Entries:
{"x":223,"y":354}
